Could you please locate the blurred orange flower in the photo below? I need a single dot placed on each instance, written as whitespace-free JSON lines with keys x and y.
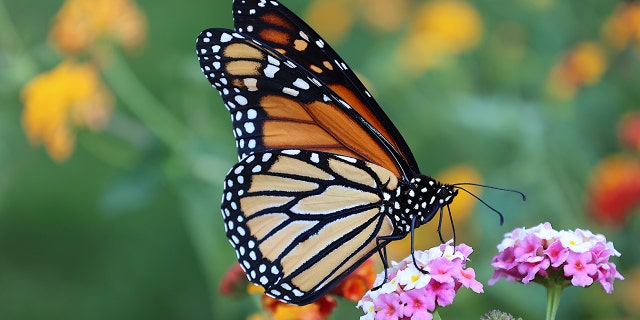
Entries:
{"x":383,"y":15}
{"x":614,"y":189}
{"x":426,"y":236}
{"x":71,"y":95}
{"x":629,"y":130}
{"x":623,"y":26}
{"x":80,"y":24}
{"x":440,"y":28}
{"x":332,"y":19}
{"x":583,"y":65}
{"x":356,"y":284}
{"x":318,"y":310}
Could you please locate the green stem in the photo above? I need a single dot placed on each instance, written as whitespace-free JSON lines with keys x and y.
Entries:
{"x":198,"y":219}
{"x":22,"y":68}
{"x":554,"y":290}
{"x":436,"y":316}
{"x":142,"y":103}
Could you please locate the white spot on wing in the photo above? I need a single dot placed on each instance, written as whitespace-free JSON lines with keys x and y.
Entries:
{"x":273,"y":61}
{"x":241,"y":100}
{"x":348,"y":159}
{"x":270,"y":71}
{"x":249,"y":127}
{"x":291,"y":92}
{"x":291,"y":152}
{"x":225,"y":37}
{"x":301,"y":84}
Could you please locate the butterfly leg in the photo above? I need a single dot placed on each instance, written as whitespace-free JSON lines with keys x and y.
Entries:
{"x":413,"y":255}
{"x":382,"y":252}
{"x":453,"y":226}
{"x":440,"y":226}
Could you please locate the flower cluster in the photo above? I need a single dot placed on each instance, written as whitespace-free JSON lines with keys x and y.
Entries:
{"x":543,"y":254}
{"x":410,"y":293}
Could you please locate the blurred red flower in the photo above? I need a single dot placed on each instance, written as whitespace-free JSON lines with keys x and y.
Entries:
{"x":614,"y":189}
{"x":629,"y":130}
{"x":234,"y":282}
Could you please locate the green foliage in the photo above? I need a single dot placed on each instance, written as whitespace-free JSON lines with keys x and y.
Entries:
{"x":129,"y":227}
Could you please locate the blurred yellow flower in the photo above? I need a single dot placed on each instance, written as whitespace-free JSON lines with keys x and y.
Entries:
{"x":54,"y":102}
{"x":623,"y":26}
{"x":440,"y":28}
{"x":330,"y":18}
{"x":81,"y":24}
{"x":583,"y":65}
{"x":426,"y":236}
{"x":383,"y":15}
{"x":631,"y":292}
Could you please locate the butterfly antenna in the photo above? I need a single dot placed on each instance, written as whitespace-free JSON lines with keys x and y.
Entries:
{"x":483,"y":202}
{"x":524,"y":198}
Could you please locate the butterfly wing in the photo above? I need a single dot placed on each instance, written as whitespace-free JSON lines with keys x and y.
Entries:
{"x":300,"y":220}
{"x":279,"y":28}
{"x":276,"y":104}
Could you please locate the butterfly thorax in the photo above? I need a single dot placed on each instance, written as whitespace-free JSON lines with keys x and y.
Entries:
{"x":421,"y":198}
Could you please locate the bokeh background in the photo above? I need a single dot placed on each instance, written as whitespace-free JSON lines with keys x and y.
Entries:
{"x":113,"y":146}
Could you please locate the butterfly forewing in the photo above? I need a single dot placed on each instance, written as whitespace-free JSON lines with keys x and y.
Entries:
{"x":275,"y":104}
{"x":276,"y":26}
{"x":291,"y":213}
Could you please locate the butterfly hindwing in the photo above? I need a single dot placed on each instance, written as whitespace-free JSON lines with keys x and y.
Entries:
{"x":276,"y":26}
{"x":276,"y":104}
{"x":291,"y":213}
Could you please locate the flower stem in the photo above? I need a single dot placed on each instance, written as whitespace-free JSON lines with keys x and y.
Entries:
{"x":436,"y":316}
{"x":142,"y":103}
{"x":554,"y":290}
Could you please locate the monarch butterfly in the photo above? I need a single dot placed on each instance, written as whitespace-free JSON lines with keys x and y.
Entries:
{"x":324,"y":179}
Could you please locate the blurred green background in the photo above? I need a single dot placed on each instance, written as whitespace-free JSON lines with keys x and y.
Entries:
{"x":128,"y":226}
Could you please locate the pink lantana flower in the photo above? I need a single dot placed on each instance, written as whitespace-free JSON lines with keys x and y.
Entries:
{"x":555,"y":259}
{"x":577,"y":257}
{"x":409,"y":293}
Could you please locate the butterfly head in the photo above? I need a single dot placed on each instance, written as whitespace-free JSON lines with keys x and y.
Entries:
{"x":421,"y":198}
